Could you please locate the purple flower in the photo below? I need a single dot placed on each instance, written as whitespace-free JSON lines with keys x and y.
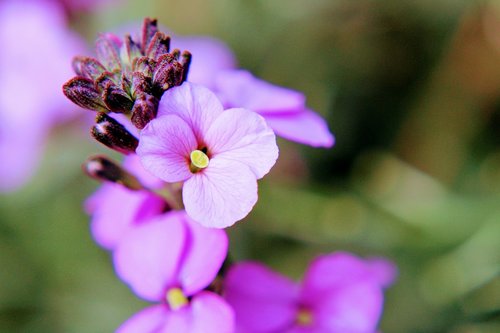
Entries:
{"x":284,"y":109}
{"x":169,"y":260}
{"x":116,"y":210}
{"x":212,"y":57}
{"x":35,"y":59}
{"x":339,"y":294}
{"x":84,"y":5}
{"x":219,"y":155}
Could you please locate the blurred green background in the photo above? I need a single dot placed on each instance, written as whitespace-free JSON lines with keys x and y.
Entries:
{"x":411,"y":90}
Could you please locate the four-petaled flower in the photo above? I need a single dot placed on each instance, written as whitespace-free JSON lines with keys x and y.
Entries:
{"x":169,"y":260}
{"x":340,"y":293}
{"x":219,"y":155}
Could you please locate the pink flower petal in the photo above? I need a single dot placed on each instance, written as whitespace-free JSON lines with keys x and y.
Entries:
{"x":239,"y":88}
{"x":179,"y":321}
{"x":263,"y":300}
{"x":243,"y":135}
{"x":195,"y":104}
{"x":207,"y":251}
{"x":221,"y":194}
{"x":148,"y":257}
{"x":216,"y":58}
{"x":305,"y":127}
{"x":149,"y":320}
{"x":355,"y":308}
{"x":211,"y":314}
{"x":133,"y":165}
{"x":384,"y":270}
{"x":164,"y":148}
{"x":335,"y":271}
{"x":115,"y":210}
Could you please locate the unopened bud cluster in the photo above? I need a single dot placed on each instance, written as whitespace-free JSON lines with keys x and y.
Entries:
{"x":128,"y":76}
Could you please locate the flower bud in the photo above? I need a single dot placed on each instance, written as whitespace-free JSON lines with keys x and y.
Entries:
{"x":108,"y":52}
{"x":114,"y":135}
{"x":82,"y":92}
{"x":149,"y":29}
{"x":87,"y":67}
{"x":168,"y":72}
{"x":116,"y":99}
{"x":144,"y":65}
{"x":159,"y":45}
{"x":129,"y":52}
{"x":144,"y":110}
{"x":104,"y":169}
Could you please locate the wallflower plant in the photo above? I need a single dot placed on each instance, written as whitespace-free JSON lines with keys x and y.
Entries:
{"x":194,"y":150}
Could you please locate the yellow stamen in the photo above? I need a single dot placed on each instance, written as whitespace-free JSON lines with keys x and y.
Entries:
{"x":176,"y":298}
{"x":304,"y":318}
{"x":199,"y":160}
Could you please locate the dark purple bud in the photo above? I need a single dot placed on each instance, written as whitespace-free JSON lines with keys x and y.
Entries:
{"x":145,"y":109}
{"x":149,"y":28}
{"x":159,"y":45}
{"x":176,"y":53}
{"x":132,"y":51}
{"x":114,"y":135}
{"x":81,"y":91}
{"x":104,"y":80}
{"x":87,"y":67}
{"x":141,"y":84}
{"x":104,"y":169}
{"x":185,"y":62}
{"x":126,"y":83}
{"x":168,"y":72}
{"x":108,"y":52}
{"x":144,"y":65}
{"x":116,"y":99}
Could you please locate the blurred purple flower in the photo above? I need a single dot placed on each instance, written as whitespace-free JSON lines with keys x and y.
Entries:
{"x":219,"y":155}
{"x":168,"y":260}
{"x":35,"y":57}
{"x":339,"y":294}
{"x":116,"y":210}
{"x":84,"y":5}
{"x":212,"y":57}
{"x":284,"y":109}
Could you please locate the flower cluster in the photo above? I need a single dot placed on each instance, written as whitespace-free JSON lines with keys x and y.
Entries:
{"x":128,"y":76}
{"x":194,"y":155}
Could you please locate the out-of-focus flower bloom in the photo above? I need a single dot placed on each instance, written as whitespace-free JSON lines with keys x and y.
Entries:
{"x":168,"y":260}
{"x":84,"y":5}
{"x":211,"y":57}
{"x":128,"y":76}
{"x":340,"y":293}
{"x":115,"y":209}
{"x":34,"y":60}
{"x":219,"y":155}
{"x":284,"y":109}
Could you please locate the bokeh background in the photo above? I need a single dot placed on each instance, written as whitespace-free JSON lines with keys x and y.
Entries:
{"x":411,"y":90}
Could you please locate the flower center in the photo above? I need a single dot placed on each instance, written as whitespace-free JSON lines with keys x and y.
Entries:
{"x":304,"y":317}
{"x":199,"y":160}
{"x":176,"y":298}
